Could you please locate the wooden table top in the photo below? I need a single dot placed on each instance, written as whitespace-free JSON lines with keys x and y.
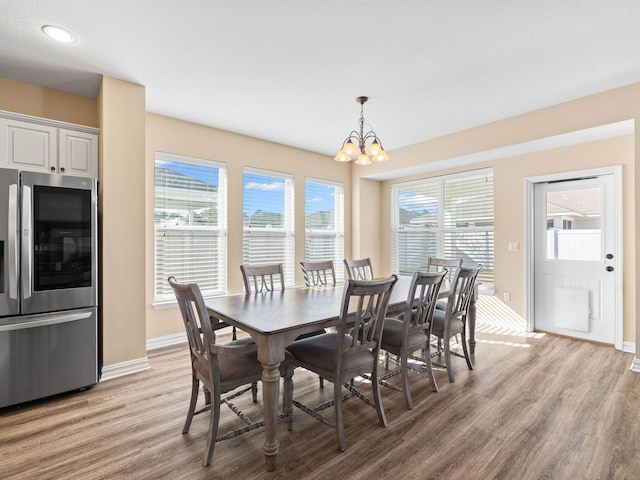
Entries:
{"x":277,"y":312}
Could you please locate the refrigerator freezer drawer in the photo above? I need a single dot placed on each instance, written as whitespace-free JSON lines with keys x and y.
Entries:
{"x":43,"y":355}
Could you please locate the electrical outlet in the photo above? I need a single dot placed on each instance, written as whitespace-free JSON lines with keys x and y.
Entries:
{"x":513,"y":246}
{"x":507,"y":296}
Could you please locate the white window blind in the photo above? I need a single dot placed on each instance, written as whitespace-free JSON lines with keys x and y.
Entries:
{"x":268,"y":220}
{"x":448,"y":217}
{"x":190,"y":224}
{"x":324,"y":223}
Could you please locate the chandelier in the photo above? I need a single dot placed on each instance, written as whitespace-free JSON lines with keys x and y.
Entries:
{"x":356,"y":144}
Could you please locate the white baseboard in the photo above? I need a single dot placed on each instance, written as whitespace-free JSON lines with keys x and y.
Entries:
{"x":125,"y":368}
{"x":629,"y":347}
{"x":159,"y":342}
{"x":635,"y":365}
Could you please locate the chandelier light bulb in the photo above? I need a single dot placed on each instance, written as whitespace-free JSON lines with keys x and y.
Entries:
{"x":374,"y":149}
{"x":349,"y":149}
{"x":381,"y":157}
{"x":363,"y":159}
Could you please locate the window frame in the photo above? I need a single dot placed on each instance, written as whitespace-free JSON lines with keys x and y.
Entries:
{"x":338,"y":221}
{"x":442,"y":229}
{"x":288,"y":229}
{"x":168,"y":300}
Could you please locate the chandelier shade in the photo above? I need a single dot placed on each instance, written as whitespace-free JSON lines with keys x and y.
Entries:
{"x":365,"y":148}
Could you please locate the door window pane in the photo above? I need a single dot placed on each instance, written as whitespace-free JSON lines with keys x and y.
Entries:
{"x":574,"y":224}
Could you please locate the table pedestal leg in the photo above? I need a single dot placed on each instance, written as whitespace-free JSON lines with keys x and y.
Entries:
{"x":270,"y":395}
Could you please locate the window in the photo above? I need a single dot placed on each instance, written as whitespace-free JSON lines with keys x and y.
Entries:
{"x":190,"y":224}
{"x":324,"y":223}
{"x":268,"y":220}
{"x":449,"y":217}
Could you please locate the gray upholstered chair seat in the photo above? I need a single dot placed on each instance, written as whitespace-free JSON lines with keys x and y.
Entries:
{"x":321,"y":351}
{"x":457,"y":325}
{"x":392,"y":334}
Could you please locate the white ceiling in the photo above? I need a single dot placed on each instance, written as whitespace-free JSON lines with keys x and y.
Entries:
{"x":289,"y":71}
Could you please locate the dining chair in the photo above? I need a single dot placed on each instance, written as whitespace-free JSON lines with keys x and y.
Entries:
{"x":359,"y":269}
{"x":260,"y":278}
{"x":411,"y":331}
{"x":453,"y":320}
{"x":450,"y":265}
{"x":318,"y":274}
{"x":350,"y":352}
{"x":221,"y":368}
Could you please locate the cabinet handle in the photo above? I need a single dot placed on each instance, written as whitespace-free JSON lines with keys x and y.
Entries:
{"x":62,"y":169}
{"x":53,"y":169}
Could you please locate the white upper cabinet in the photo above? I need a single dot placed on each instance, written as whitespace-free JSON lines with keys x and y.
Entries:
{"x":28,"y":146}
{"x":78,"y":153}
{"x":45,"y":147}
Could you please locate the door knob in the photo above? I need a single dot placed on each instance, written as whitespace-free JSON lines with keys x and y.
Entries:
{"x":609,"y":269}
{"x":609,"y":256}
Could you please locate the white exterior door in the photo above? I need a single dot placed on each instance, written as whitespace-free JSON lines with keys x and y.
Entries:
{"x":575,"y":258}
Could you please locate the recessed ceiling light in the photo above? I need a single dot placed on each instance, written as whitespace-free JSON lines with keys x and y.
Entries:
{"x":59,"y":34}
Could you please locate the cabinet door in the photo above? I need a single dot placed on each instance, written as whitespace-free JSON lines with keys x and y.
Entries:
{"x":78,"y":153}
{"x":27,"y":146}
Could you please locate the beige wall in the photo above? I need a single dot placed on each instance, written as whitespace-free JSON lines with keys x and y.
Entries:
{"x":168,"y":135}
{"x":122,"y":213}
{"x":596,"y":110}
{"x":47,"y":103}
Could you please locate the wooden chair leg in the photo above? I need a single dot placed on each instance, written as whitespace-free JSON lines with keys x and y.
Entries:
{"x":447,"y":358}
{"x":404,"y":372}
{"x":377,"y":399}
{"x":465,"y":350}
{"x":254,"y":392}
{"x":213,"y":430}
{"x":195,"y":389}
{"x":337,"y":398}
{"x":426,"y":352}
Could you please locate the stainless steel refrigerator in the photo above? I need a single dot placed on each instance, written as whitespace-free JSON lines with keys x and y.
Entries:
{"x":48,"y":285}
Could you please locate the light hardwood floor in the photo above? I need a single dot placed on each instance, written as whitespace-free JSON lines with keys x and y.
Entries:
{"x":535,"y":407}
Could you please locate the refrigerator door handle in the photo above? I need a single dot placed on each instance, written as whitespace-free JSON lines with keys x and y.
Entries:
{"x":27,"y":241}
{"x":13,"y":241}
{"x":45,"y":321}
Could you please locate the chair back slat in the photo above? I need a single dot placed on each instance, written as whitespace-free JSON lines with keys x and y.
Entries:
{"x":318,"y":273}
{"x":450,"y":265}
{"x":200,"y":333}
{"x":359,"y":269}
{"x":364,"y":307}
{"x":262,"y":278}
{"x":421,"y":300}
{"x":464,"y":290}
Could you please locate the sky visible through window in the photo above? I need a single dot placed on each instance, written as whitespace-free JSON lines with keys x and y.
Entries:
{"x":261,"y":192}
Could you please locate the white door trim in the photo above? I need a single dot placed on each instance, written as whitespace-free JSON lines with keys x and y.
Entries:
{"x":616,"y":171}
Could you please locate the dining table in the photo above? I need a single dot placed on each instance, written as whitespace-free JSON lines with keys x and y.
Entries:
{"x":275,"y":319}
